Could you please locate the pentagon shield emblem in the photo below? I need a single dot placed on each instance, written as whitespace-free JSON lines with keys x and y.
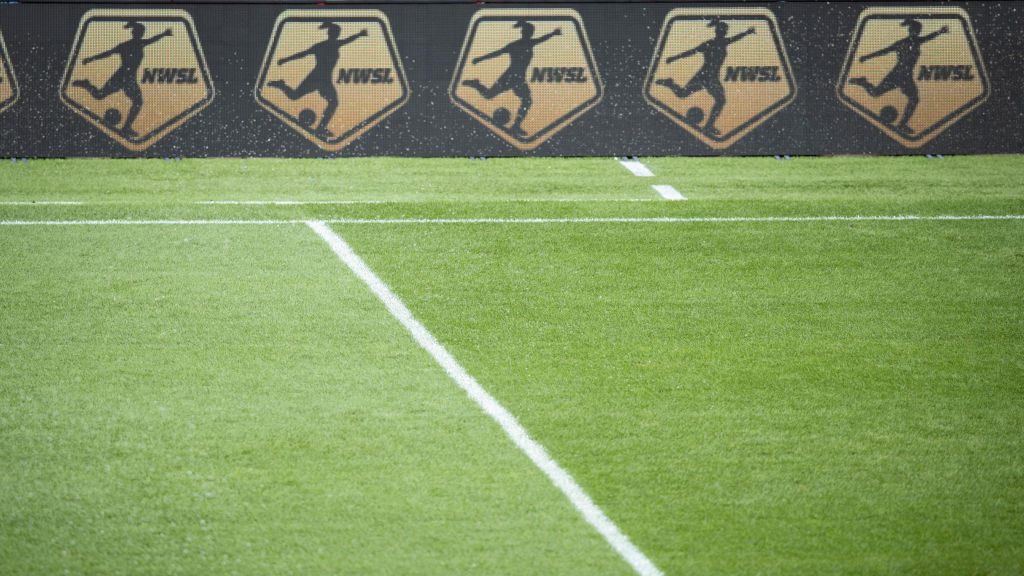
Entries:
{"x":526,"y":73}
{"x":136,"y":74}
{"x":719,"y":73}
{"x":913,"y":72}
{"x":8,"y":84}
{"x":331,"y":75}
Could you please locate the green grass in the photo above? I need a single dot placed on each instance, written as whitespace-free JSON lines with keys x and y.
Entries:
{"x":218,"y":401}
{"x":740,"y":398}
{"x":389,"y":179}
{"x":510,"y":187}
{"x":794,"y":399}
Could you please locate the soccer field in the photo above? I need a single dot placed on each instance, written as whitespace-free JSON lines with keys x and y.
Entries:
{"x":512,"y":366}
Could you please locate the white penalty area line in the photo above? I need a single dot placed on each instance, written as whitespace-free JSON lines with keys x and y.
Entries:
{"x":585,"y":220}
{"x":515,"y":431}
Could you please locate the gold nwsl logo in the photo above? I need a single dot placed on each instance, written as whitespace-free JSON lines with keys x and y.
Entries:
{"x":8,"y":84}
{"x":913,"y":72}
{"x":137,"y":74}
{"x":526,"y":74}
{"x":331,"y":75}
{"x":720,"y":73}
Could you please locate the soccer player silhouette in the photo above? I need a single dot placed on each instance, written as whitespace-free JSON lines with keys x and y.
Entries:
{"x":325,"y":57}
{"x":901,"y":77}
{"x":708,"y":77}
{"x":126,"y":78}
{"x":520,"y":54}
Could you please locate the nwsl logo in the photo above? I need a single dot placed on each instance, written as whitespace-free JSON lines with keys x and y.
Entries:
{"x":137,"y":75}
{"x":719,"y":73}
{"x":913,"y":73}
{"x":526,"y":74}
{"x":332,"y":75}
{"x":8,"y":84}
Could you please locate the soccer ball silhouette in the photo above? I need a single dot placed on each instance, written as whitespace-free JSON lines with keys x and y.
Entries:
{"x":306,"y":118}
{"x":502,"y":116}
{"x":889,"y":114}
{"x":112,"y":117}
{"x":694,"y":115}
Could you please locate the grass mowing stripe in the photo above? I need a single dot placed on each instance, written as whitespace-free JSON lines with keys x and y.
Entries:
{"x":611,"y":220}
{"x":409,"y":179}
{"x":515,"y":431}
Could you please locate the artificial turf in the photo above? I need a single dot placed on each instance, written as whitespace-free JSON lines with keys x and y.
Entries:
{"x":740,"y":397}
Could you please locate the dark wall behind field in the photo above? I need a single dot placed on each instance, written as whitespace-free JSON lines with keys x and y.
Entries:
{"x":39,"y":39}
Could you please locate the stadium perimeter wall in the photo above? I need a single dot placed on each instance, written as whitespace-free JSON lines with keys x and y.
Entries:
{"x":448,"y":79}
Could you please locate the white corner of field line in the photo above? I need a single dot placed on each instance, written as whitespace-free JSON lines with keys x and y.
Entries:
{"x":515,"y":431}
{"x":668,"y":192}
{"x":637,"y":167}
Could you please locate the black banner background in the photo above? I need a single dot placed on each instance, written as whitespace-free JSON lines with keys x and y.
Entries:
{"x":234,"y":38}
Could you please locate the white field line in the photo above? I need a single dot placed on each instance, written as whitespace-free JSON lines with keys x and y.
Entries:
{"x":350,"y":202}
{"x":145,"y":222}
{"x":515,"y":431}
{"x":287,"y":202}
{"x":637,"y":167}
{"x":610,"y":220}
{"x":41,"y":203}
{"x":668,"y":192}
{"x":332,"y":202}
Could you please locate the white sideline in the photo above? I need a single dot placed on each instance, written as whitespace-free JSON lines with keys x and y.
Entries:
{"x":287,"y":202}
{"x":144,"y":222}
{"x":668,"y":192}
{"x":637,"y":167}
{"x":40,"y":203}
{"x":515,"y":431}
{"x":337,"y":202}
{"x":585,"y":220}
